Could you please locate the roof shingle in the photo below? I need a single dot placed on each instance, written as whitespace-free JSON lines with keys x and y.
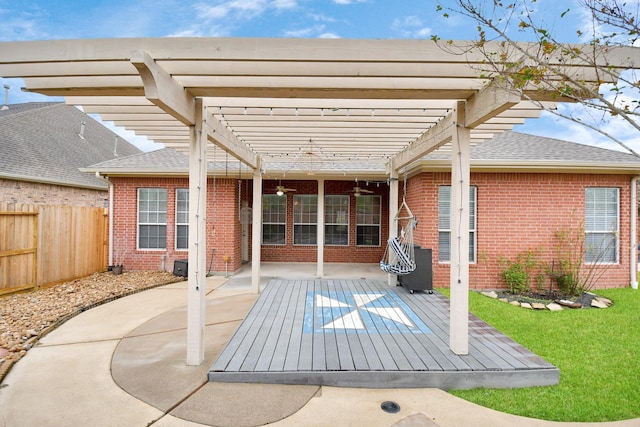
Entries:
{"x":42,"y":142}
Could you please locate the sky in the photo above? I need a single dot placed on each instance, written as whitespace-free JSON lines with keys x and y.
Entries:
{"x":375,"y":19}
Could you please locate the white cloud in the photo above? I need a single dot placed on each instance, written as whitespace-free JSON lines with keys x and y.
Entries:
{"x":285,"y":4}
{"x":411,"y":26}
{"x":243,"y":9}
{"x":301,"y":32}
{"x":212,"y":12}
{"x":22,"y":24}
{"x":328,"y":36}
{"x":319,"y":17}
{"x":222,"y":18}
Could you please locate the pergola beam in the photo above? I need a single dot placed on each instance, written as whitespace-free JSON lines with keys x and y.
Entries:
{"x":488,"y":103}
{"x":438,"y":135}
{"x":220,"y":135}
{"x":162,"y":90}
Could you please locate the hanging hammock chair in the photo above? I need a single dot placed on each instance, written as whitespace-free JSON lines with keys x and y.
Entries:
{"x":399,"y":257}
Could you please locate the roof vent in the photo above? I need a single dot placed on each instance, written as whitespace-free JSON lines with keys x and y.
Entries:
{"x":6,"y":98}
{"x":115,"y":147}
{"x":82,"y":126}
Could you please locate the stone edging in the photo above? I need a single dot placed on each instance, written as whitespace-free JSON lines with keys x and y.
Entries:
{"x":597,"y":302}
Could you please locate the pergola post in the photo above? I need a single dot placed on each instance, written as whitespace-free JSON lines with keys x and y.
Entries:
{"x":459,"y":269}
{"x":320,"y":221}
{"x":256,"y":228}
{"x":197,"y":240}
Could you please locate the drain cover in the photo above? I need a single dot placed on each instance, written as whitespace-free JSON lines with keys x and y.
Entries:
{"x":390,"y":407}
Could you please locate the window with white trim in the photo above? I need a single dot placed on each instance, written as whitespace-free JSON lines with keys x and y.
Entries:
{"x":274,"y":219}
{"x":602,"y":221}
{"x":152,"y":218}
{"x":444,"y":223}
{"x":368,"y":220}
{"x":305,"y":219}
{"x":182,"y":218}
{"x":336,"y":220}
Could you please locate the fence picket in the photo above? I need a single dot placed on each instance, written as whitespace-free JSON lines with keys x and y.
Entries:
{"x":42,"y":244}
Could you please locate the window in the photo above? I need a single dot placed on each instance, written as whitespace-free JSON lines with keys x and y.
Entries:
{"x":152,"y":218}
{"x":368,"y":215}
{"x":274,"y":219}
{"x":444,"y":223}
{"x":336,"y":220}
{"x":182,"y":218}
{"x":305,"y":219}
{"x":601,"y":225}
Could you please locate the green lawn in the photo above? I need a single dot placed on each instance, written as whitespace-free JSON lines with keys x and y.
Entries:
{"x":596,"y":350}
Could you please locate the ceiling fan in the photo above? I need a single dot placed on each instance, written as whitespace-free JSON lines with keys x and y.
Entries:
{"x":357,"y":191}
{"x":280,"y":190}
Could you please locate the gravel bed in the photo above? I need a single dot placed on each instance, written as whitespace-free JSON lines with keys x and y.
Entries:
{"x":26,"y":317}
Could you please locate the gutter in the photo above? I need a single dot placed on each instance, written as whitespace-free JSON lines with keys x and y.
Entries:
{"x":633,"y":264}
{"x":26,"y":178}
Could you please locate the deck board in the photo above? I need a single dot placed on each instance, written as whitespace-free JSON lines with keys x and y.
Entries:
{"x":364,"y":333}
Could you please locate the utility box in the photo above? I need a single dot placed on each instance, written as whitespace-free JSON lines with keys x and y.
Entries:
{"x":181,"y":267}
{"x":420,"y":279}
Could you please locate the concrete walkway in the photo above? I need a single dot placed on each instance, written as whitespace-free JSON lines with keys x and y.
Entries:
{"x":122,"y":364}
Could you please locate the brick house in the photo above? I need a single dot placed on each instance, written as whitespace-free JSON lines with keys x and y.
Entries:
{"x":42,"y":147}
{"x":524,"y":189}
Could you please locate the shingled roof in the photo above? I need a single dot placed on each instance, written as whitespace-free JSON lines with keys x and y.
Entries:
{"x":525,"y":148}
{"x":46,"y":142}
{"x":509,"y":150}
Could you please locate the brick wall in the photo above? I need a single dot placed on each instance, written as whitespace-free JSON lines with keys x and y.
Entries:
{"x":35,"y":193}
{"x":349,"y":254}
{"x":223,"y":224}
{"x":517,"y":212}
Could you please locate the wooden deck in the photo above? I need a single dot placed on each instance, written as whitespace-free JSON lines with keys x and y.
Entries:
{"x":363,"y":333}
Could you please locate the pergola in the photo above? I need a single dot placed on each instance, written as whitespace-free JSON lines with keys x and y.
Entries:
{"x":273,"y":102}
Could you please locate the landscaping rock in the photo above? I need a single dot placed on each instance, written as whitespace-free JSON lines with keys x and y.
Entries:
{"x":24,"y":317}
{"x":490,"y":294}
{"x":515,"y":303}
{"x":538,"y":306}
{"x":503,"y":300}
{"x":604,"y":300}
{"x":526,"y":305}
{"x":554,"y":307}
{"x":570,"y":304}
{"x":598,"y":304}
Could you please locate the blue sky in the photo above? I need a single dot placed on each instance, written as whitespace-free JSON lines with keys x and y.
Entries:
{"x":56,"y":19}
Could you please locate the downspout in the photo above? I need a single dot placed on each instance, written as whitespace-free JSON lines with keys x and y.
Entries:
{"x":110,"y":223}
{"x":633,"y":264}
{"x":110,"y":213}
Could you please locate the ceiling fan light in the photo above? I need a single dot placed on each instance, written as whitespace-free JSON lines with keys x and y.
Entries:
{"x":280,"y":193}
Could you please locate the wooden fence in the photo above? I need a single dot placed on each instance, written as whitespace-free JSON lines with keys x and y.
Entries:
{"x":42,"y":244}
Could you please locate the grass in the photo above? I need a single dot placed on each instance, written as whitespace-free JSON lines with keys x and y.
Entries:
{"x":596,"y":350}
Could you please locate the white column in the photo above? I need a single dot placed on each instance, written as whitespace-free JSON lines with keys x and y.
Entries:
{"x":393,"y":211}
{"x":459,"y":274}
{"x":320,"y":261}
{"x":197,"y":240}
{"x":256,"y":229}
